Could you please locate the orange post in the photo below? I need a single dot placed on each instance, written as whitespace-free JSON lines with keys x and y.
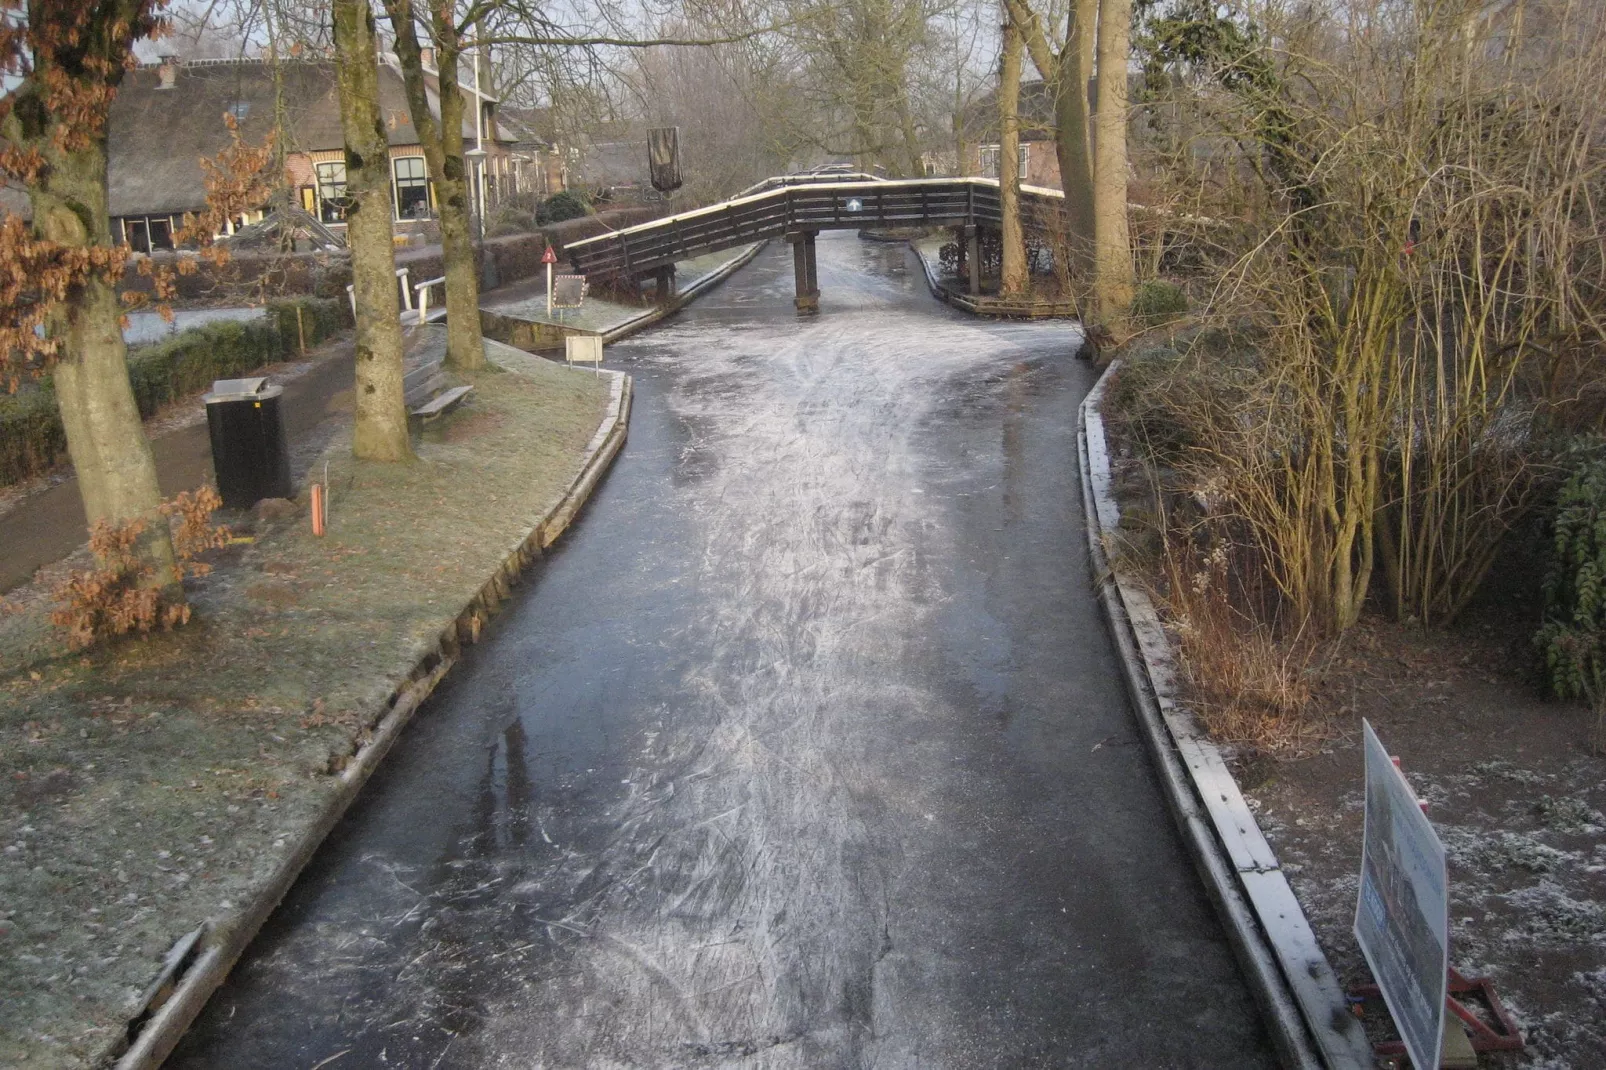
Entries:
{"x":317,"y":509}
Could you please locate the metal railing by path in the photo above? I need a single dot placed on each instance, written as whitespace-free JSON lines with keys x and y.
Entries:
{"x":807,"y":207}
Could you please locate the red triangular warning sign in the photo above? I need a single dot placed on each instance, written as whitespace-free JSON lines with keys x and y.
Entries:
{"x":550,"y":256}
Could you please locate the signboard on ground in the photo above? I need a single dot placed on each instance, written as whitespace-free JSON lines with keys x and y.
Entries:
{"x":583,"y":349}
{"x":568,"y":291}
{"x":1402,"y":914}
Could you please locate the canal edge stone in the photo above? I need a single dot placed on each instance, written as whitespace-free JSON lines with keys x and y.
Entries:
{"x":224,"y":940}
{"x":1301,"y":999}
{"x":684,"y":297}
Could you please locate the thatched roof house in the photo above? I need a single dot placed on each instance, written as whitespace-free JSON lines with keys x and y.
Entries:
{"x":167,"y":117}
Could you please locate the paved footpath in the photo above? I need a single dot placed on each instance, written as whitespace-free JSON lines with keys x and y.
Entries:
{"x":805,"y":749}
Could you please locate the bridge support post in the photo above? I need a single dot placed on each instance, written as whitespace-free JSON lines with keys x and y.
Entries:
{"x":805,"y":271}
{"x":663,"y":283}
{"x":973,"y":258}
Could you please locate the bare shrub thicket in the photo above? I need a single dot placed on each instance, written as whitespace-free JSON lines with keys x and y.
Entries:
{"x":1393,"y":210}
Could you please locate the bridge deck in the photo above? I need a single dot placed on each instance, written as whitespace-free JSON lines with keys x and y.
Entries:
{"x":795,"y":208}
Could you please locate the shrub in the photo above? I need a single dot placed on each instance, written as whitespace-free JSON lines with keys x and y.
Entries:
{"x":31,"y":435}
{"x":1573,"y":636}
{"x":1157,"y":303}
{"x":569,"y":204}
{"x":123,"y":593}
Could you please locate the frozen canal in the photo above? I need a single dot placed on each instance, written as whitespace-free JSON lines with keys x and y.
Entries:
{"x":806,"y":748}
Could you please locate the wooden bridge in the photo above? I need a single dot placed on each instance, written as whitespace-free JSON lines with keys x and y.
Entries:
{"x":797,"y":207}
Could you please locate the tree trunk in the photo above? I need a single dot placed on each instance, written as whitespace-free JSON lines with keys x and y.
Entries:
{"x":380,"y":433}
{"x":1073,"y":130}
{"x":465,"y":347}
{"x":961,"y":164}
{"x":106,"y":440}
{"x":1067,"y":72}
{"x":1012,"y":281}
{"x":1112,"y":271}
{"x":111,"y":456}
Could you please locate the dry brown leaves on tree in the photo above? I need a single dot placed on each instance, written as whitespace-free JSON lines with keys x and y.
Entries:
{"x":59,"y":53}
{"x":123,"y":593}
{"x":65,"y":59}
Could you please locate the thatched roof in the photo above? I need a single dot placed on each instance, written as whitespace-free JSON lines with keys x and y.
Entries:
{"x":526,"y":128}
{"x":158,"y":136}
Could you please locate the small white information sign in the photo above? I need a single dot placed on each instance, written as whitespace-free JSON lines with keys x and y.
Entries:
{"x":1402,"y":916}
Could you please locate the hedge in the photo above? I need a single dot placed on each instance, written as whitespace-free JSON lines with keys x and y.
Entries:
{"x":31,"y":436}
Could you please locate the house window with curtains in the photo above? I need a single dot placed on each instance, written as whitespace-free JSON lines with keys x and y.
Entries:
{"x":412,"y":188}
{"x":332,"y":192}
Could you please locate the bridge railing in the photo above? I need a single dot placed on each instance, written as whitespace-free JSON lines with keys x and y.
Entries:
{"x":808,"y":207}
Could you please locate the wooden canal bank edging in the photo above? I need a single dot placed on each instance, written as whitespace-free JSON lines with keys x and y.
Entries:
{"x":543,"y":335}
{"x":1301,"y":1000}
{"x":983,"y":305}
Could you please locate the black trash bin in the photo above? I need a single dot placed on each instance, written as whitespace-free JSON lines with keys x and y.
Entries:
{"x":250,"y":452}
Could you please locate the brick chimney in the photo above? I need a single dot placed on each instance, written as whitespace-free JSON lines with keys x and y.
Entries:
{"x":167,"y":71}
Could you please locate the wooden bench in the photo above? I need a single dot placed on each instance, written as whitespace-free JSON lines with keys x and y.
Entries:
{"x":442,"y":403}
{"x":427,"y":391}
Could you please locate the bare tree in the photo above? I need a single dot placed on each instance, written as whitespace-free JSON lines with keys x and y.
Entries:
{"x":1065,"y":62}
{"x":380,"y":433}
{"x":1013,"y":269}
{"x":1112,"y":240}
{"x":61,"y":272}
{"x":443,"y":152}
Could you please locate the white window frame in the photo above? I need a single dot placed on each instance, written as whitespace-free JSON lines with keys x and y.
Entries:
{"x":320,"y":185}
{"x":412,"y":183}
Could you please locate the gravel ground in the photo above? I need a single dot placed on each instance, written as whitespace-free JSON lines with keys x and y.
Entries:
{"x":1515,"y":795}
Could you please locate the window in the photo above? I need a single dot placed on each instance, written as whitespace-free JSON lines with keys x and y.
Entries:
{"x":146,"y":234}
{"x":137,"y":236}
{"x":332,"y":192}
{"x":412,"y":188}
{"x":989,"y":160}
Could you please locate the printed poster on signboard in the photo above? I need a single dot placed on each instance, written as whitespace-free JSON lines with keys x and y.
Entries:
{"x":1402,"y":916}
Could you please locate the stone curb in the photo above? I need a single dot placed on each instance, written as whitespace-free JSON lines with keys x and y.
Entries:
{"x":205,"y":966}
{"x":684,"y":297}
{"x":930,"y":272}
{"x":1300,"y":997}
